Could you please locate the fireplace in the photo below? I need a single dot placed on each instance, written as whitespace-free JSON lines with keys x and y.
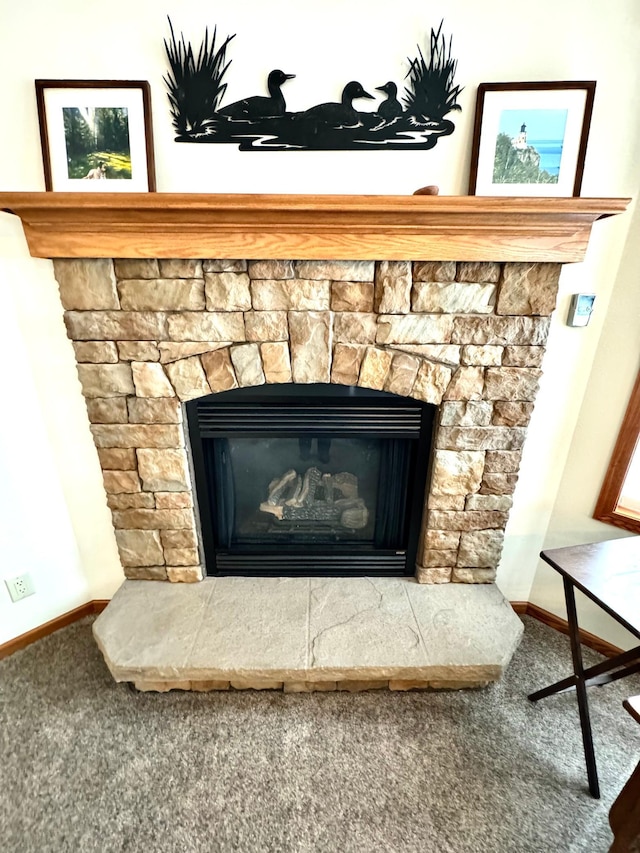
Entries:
{"x":309,"y":480}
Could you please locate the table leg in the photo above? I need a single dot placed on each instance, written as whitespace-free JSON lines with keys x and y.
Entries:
{"x":581,"y":689}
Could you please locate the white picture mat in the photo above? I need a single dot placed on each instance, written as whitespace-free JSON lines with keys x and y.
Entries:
{"x":55,"y":100}
{"x":573,"y":100}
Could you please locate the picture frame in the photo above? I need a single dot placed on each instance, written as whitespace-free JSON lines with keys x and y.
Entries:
{"x":530,"y":139}
{"x":96,"y":135}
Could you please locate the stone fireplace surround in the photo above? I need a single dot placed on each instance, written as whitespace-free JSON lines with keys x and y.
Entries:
{"x":449,"y":302}
{"x":151,"y":334}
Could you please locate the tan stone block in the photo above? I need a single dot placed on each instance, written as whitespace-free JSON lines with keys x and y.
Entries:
{"x":446,"y":502}
{"x":345,"y":366}
{"x":145,"y":686}
{"x":276,"y":362}
{"x":488,"y":356}
{"x":219,"y":370}
{"x":173,"y":500}
{"x":117,"y":458}
{"x":138,"y":351}
{"x":511,"y":383}
{"x":170,"y":351}
{"x":150,"y":380}
{"x":457,"y":472}
{"x":153,"y":519}
{"x":498,"y":484}
{"x":86,"y":284}
{"x":112,"y":410}
{"x":255,"y":684}
{"x":164,"y":470}
{"x":207,"y":686}
{"x":445,"y":540}
{"x":393,"y":287}
{"x":180,"y":557}
{"x":500,"y":331}
{"x":247,"y":365}
{"x":350,"y":327}
{"x":224,"y":265}
{"x":503,"y":461}
{"x":136,"y":435}
{"x":294,"y":295}
{"x":145,"y":573}
{"x":118,"y":482}
{"x":515,"y":356}
{"x":434,"y":270}
{"x":472,"y":413}
{"x":466,"y":384}
{"x":375,"y":367}
{"x":105,"y":380}
{"x":473,"y":576}
{"x":206,"y":326}
{"x":438,"y":559}
{"x":154,"y":410}
{"x":271,"y":269}
{"x":266,"y":325}
{"x":412,"y":329}
{"x":180,"y":268}
{"x":501,"y":502}
{"x":402,"y":375}
{"x":528,"y":288}
{"x":355,"y":686}
{"x":402,"y":684}
{"x":463,"y":521}
{"x":446,"y":353}
{"x":135,"y":500}
{"x":227,"y":291}
{"x":335,"y":270}
{"x":352,"y":296}
{"x":480,"y":438}
{"x":162,"y":294}
{"x":480,"y":549}
{"x":188,"y":378}
{"x":185,"y":538}
{"x":453,"y":298}
{"x":137,"y":268}
{"x":139,"y":548}
{"x":431,"y":382}
{"x":115,"y":326}
{"x":512,"y":414}
{"x":478,"y":271}
{"x":184,"y":574}
{"x":309,"y":686}
{"x":96,"y":352}
{"x":310,"y":354}
{"x":433,"y":574}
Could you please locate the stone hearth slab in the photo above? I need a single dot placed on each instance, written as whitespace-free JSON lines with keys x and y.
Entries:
{"x":306,"y":634}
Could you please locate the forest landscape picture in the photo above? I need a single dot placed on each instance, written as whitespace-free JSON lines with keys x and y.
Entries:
{"x":409,"y":112}
{"x":97,"y":143}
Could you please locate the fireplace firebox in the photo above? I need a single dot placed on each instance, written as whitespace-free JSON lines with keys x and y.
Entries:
{"x":310,"y":479}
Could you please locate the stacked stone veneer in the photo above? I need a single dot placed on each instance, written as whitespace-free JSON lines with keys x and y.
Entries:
{"x":152,"y":334}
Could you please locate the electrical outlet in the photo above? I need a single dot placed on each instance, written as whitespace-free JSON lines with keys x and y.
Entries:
{"x":20,"y":587}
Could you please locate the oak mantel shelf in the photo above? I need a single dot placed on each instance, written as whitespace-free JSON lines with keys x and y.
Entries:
{"x":349,"y":227}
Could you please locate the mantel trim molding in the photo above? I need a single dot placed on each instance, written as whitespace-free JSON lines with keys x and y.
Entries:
{"x":313,"y":227}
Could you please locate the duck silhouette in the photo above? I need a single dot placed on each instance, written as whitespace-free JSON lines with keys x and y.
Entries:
{"x":259,"y":106}
{"x":340,"y":114}
{"x":391,"y":107}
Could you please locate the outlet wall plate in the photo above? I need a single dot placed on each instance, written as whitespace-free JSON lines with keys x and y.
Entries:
{"x":20,"y":587}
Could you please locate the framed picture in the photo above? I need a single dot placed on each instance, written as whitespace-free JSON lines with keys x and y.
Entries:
{"x":96,"y":135}
{"x":530,"y":139}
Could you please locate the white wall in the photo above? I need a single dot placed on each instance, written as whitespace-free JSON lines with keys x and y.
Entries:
{"x":326,"y":45}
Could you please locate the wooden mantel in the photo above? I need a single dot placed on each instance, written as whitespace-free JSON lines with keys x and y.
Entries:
{"x":352,"y":227}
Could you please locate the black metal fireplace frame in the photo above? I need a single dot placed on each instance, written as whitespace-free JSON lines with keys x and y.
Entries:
{"x":295,"y":410}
